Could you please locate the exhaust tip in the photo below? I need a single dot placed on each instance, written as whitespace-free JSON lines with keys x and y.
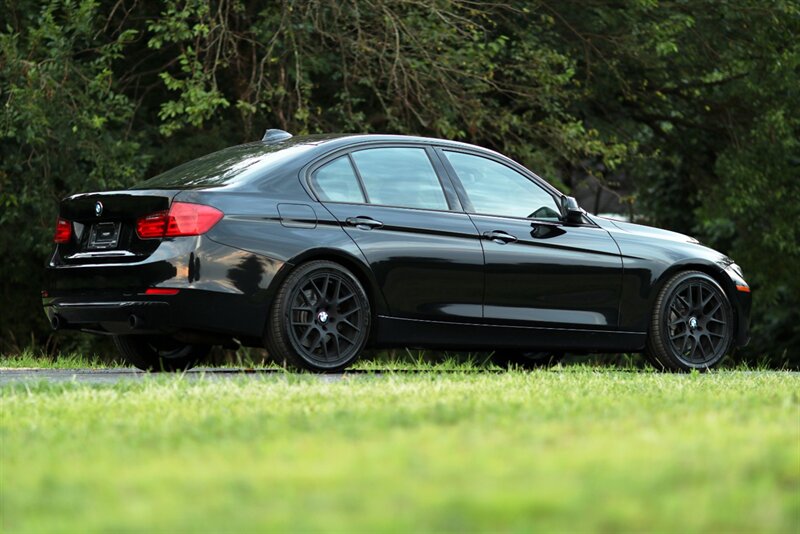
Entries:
{"x":56,"y":322}
{"x":134,"y":321}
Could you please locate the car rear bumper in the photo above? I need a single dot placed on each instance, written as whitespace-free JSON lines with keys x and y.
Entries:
{"x":233,"y":315}
{"x":218,"y":289}
{"x":120,"y":317}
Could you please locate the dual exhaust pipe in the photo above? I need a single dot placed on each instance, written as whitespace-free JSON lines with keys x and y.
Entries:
{"x":135,"y":322}
{"x":57,"y":322}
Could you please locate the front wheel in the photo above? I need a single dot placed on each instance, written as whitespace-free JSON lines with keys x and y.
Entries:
{"x":320,"y":319}
{"x":159,"y":353}
{"x":692,"y":326}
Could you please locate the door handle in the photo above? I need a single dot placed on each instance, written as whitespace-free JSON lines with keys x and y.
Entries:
{"x":363,"y":223}
{"x":499,"y":237}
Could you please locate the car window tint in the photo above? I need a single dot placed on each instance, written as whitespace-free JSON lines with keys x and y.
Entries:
{"x":495,"y":189}
{"x":337,"y":182}
{"x":231,"y":166}
{"x":400,"y":177}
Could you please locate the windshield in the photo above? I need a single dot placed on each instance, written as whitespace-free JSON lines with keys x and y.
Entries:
{"x":229,"y":166}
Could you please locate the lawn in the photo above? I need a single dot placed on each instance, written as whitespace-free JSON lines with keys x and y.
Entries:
{"x":570,"y":448}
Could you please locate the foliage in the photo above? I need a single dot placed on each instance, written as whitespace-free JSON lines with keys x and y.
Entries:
{"x":708,"y":92}
{"x":693,"y":101}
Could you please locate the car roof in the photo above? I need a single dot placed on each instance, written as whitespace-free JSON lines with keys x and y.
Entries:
{"x":347,"y":139}
{"x":331,"y":142}
{"x":301,"y":150}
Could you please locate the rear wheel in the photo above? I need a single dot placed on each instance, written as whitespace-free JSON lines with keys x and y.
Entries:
{"x":320,"y":319}
{"x":526,"y":360}
{"x":692,"y":324}
{"x":159,"y":353}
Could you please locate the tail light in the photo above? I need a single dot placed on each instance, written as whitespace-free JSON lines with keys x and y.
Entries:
{"x":161,"y":291}
{"x":63,"y":231}
{"x":182,"y":219}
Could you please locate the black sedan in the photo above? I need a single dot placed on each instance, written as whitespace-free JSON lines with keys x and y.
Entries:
{"x":318,"y":247}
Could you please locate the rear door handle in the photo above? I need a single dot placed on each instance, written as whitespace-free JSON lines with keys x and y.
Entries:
{"x":499,"y":237}
{"x":363,"y":223}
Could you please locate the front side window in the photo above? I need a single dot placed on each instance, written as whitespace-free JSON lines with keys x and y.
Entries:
{"x":337,"y":182}
{"x":401,"y":176}
{"x":495,"y":189}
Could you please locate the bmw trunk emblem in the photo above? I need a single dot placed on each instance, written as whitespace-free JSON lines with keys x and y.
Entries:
{"x":98,"y":208}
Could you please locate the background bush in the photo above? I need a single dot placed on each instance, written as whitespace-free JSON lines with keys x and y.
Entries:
{"x":688,"y":111}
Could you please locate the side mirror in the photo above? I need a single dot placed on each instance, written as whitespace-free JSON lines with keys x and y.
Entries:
{"x":570,"y":211}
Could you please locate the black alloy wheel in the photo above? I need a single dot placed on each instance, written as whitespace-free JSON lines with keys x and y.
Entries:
{"x":159,"y":353}
{"x":320,"y":320}
{"x":692,"y":325}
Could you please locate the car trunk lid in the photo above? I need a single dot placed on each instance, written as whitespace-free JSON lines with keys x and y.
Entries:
{"x":104,"y":225}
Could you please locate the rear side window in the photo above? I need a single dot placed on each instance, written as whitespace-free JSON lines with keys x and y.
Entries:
{"x":229,"y":167}
{"x":401,"y":176}
{"x":337,"y":182}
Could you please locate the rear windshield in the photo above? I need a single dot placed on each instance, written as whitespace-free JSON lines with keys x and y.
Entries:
{"x":229,"y":166}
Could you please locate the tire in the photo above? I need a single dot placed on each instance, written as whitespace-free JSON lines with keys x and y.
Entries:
{"x":525,"y":360}
{"x":692,"y":326}
{"x":320,"y":318}
{"x":159,"y":353}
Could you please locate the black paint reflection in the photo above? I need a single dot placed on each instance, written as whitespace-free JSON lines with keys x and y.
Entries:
{"x":246,"y":275}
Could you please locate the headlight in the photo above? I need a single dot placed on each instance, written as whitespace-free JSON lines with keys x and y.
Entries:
{"x":735,"y":268}
{"x":735,"y":272}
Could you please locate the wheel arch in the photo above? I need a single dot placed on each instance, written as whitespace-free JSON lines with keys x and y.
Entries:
{"x":713,"y":270}
{"x":355,"y":265}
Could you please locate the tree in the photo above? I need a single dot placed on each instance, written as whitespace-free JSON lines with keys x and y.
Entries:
{"x":692,"y":103}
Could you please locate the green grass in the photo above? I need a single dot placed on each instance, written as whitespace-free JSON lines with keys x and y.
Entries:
{"x":32,"y":360}
{"x":397,"y":359}
{"x":568,"y":449}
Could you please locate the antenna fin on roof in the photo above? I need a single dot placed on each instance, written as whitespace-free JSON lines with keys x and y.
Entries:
{"x":273,"y":135}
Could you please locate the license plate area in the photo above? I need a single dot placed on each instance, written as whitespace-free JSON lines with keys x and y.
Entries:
{"x":104,"y":236}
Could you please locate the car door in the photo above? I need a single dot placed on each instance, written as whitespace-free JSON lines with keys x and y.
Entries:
{"x":539,"y":271}
{"x":423,"y":249}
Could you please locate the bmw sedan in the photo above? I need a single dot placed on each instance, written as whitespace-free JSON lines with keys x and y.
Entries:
{"x":320,"y":246}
